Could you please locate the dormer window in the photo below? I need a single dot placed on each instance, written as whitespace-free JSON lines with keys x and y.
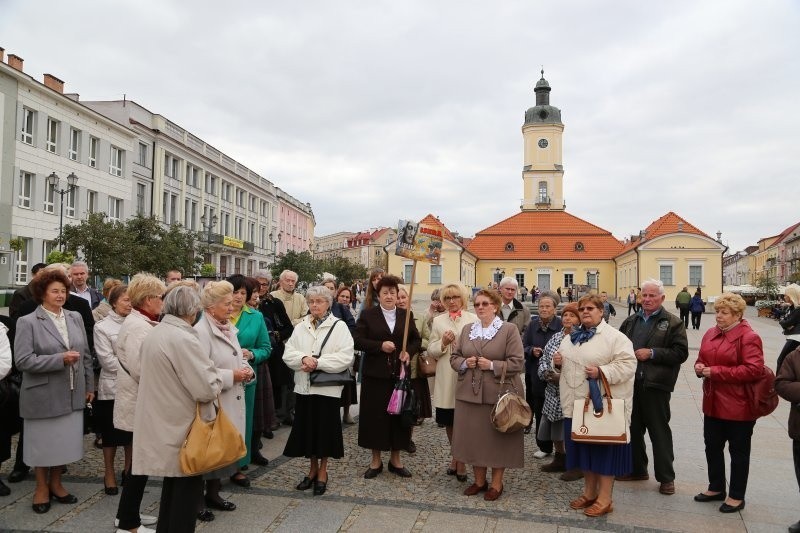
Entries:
{"x":509,"y":247}
{"x":579,"y":247}
{"x":544,"y":247}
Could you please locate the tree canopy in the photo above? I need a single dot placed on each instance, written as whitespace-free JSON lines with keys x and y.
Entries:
{"x":309,"y":269}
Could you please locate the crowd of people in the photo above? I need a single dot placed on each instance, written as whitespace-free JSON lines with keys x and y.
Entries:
{"x":145,"y":357}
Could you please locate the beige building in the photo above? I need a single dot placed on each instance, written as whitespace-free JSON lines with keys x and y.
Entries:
{"x":333,"y":245}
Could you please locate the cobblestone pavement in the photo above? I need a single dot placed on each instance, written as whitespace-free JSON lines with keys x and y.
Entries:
{"x":432,"y":501}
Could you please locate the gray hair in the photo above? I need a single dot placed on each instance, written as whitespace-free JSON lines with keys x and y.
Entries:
{"x":657,"y":283}
{"x":214,"y":291}
{"x":319,"y":291}
{"x":551,"y":295}
{"x":508,"y":280}
{"x":286,"y":273}
{"x":263,"y":274}
{"x":79,"y":264}
{"x":182,"y":301}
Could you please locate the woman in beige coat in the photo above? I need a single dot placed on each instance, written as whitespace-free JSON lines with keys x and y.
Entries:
{"x":483,"y":351}
{"x":218,"y":338}
{"x":446,"y":328}
{"x":175,"y":375}
{"x":145,"y":292}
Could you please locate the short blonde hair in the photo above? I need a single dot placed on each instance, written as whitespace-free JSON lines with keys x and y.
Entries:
{"x":793,"y":292}
{"x":144,"y":286}
{"x":733,"y":302}
{"x":214,"y":291}
{"x":455,"y":289}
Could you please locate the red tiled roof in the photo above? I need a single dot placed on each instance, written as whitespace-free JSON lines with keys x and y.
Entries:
{"x":667,"y":224}
{"x":431,"y":220}
{"x":563,"y":233}
{"x":785,"y":233}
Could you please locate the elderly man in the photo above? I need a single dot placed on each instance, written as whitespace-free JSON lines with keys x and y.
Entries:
{"x":660,"y":346}
{"x":541,"y":329}
{"x":296,"y":308}
{"x":78,"y":273}
{"x":512,"y":309}
{"x":295,"y":304}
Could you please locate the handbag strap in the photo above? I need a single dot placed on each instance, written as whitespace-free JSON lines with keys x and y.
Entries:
{"x":326,"y":339}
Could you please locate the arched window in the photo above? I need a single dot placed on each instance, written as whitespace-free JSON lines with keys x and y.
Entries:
{"x":544,"y":247}
{"x":579,"y":246}
{"x":542,"y":196}
{"x":509,"y":247}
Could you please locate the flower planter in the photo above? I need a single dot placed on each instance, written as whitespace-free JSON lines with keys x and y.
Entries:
{"x":765,"y":312}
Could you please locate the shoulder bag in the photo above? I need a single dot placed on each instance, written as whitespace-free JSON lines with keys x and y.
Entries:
{"x":608,"y":426}
{"x":426,"y":365}
{"x":511,"y":413}
{"x":211,"y":445}
{"x":320,"y":378}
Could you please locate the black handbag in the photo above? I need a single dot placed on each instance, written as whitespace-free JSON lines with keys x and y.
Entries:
{"x":410,"y":412}
{"x":320,"y":378}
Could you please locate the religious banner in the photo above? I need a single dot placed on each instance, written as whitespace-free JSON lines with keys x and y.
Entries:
{"x":420,"y":242}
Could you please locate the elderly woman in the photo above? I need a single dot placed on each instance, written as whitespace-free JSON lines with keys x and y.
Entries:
{"x":791,"y":322}
{"x":345,"y":297}
{"x":444,"y":331}
{"x":256,"y":348}
{"x":787,"y":385}
{"x":220,"y":344}
{"x":483,"y":351}
{"x":52,"y":352}
{"x":552,"y":424}
{"x":731,"y":355}
{"x":320,"y":342}
{"x":175,"y":375}
{"x":106,"y":333}
{"x":379,"y":334}
{"x":593,"y":348}
{"x":145,"y":292}
{"x":422,"y":392}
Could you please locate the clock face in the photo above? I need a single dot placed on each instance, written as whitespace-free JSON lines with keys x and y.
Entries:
{"x":542,"y":143}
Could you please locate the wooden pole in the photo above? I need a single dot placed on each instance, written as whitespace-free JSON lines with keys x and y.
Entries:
{"x":408,"y":311}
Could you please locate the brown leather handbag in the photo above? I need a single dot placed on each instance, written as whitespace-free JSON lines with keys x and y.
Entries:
{"x":426,"y":365}
{"x":511,"y":413}
{"x":211,"y":445}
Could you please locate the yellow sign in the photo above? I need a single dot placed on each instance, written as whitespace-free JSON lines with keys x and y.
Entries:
{"x":233,"y":243}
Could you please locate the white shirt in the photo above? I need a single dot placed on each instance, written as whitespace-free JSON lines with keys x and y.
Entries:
{"x":390,"y":316}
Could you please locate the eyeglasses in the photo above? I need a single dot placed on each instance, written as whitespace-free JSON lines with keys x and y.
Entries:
{"x":263,"y":284}
{"x":448,"y":298}
{"x":587,"y":308}
{"x":482,"y":304}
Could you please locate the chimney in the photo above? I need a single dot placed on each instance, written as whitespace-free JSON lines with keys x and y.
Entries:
{"x":2,"y":54}
{"x":15,"y":62}
{"x":73,"y":96}
{"x":54,"y":83}
{"x":680,"y":226}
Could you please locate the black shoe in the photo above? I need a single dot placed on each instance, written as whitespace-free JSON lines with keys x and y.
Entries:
{"x":242,"y":481}
{"x":372,"y":472}
{"x":18,"y":475}
{"x":41,"y":508}
{"x":111,"y":491}
{"x":4,"y":490}
{"x":220,"y":504}
{"x":412,"y":448}
{"x":399,"y":470}
{"x":306,"y":484}
{"x":795,"y":528}
{"x":725,"y":508}
{"x":461,"y":477}
{"x":320,"y":487}
{"x":527,"y":430}
{"x":269,"y":434}
{"x":258,"y":459}
{"x":709,"y":497}
{"x":67,"y":498}
{"x":205,"y":516}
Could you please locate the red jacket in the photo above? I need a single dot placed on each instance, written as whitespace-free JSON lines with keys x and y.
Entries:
{"x":735,"y":357}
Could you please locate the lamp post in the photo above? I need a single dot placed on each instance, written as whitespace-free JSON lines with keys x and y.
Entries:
{"x":275,"y":240}
{"x":72,"y":183}
{"x":208,"y":225}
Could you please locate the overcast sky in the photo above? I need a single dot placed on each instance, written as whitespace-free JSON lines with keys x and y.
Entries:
{"x":375,"y":110}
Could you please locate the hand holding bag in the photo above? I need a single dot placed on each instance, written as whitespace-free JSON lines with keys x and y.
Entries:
{"x":398,"y":396}
{"x":511,"y":413}
{"x":607,"y":426}
{"x":211,"y":445}
{"x":320,"y":378}
{"x":426,"y":365}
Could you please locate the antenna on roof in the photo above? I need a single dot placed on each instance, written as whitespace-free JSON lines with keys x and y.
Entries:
{"x":124,"y":99}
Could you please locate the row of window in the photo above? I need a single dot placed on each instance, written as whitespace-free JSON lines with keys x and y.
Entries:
{"x":25,"y":189}
{"x":75,"y":149}
{"x":666,"y":273}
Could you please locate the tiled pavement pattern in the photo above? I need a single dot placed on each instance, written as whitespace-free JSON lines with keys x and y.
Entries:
{"x":432,"y":501}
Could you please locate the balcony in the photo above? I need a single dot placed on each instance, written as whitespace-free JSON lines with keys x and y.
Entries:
{"x":542,"y":200}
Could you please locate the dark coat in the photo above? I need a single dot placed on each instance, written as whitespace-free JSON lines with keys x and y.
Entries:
{"x":280,"y":329}
{"x":372,"y":331}
{"x":791,"y":323}
{"x":20,"y":296}
{"x":670,"y":348}
{"x":535,"y":337}
{"x":787,"y":385}
{"x":341,"y":312}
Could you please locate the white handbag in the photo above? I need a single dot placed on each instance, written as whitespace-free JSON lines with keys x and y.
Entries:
{"x":605,"y":427}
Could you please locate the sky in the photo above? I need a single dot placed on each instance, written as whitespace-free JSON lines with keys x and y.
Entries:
{"x":374,"y":110}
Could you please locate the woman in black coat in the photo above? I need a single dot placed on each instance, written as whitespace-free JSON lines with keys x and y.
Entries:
{"x":790,"y":323}
{"x":379,"y":334}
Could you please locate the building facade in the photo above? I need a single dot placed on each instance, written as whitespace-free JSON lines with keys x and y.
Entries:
{"x":333,"y":245}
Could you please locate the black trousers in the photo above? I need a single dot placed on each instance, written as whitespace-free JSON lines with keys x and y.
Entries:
{"x":631,"y":309}
{"x":131,"y":500}
{"x":737,"y":434}
{"x":651,"y":414}
{"x":178,"y":510}
{"x":537,"y":403}
{"x":796,"y":454}
{"x":684,"y":310}
{"x":696,"y":319}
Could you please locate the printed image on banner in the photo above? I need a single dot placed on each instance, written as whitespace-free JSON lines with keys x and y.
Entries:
{"x":420,"y":242}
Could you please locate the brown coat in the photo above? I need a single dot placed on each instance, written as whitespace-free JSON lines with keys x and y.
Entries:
{"x":372,"y":331}
{"x":505,"y":350}
{"x":787,"y":385}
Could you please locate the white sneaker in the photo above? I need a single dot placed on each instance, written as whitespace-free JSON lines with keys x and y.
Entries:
{"x":142,"y":529}
{"x":145,"y":519}
{"x":540,"y":454}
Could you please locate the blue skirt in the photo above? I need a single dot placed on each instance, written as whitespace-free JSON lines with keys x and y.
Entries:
{"x":602,"y":459}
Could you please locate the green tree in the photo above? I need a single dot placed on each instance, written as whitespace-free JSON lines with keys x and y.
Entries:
{"x":101,"y":243}
{"x":344,"y":269}
{"x":57,"y":256}
{"x":768,"y":286}
{"x":307,"y":268}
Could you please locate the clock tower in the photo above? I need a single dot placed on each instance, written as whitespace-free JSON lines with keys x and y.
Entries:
{"x":542,"y":171}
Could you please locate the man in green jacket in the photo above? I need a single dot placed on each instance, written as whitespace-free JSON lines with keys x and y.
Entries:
{"x":682,"y":302}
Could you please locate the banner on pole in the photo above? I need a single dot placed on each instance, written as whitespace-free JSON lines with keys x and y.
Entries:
{"x":420,"y":242}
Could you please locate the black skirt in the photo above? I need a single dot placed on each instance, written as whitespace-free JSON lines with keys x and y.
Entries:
{"x":317,"y":428}
{"x":423,"y":394}
{"x":377,"y":429}
{"x":103,"y":411}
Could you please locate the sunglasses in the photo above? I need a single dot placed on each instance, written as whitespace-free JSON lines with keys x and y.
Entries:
{"x":587,"y":308}
{"x":482,"y":304}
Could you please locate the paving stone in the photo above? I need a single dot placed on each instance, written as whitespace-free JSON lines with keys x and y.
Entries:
{"x":519,"y":526}
{"x":315,"y":516}
{"x":253,"y":513}
{"x":98,"y":513}
{"x":385,"y":519}
{"x":452,"y":522}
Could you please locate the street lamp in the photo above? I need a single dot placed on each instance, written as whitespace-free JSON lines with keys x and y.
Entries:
{"x":72,"y":183}
{"x":208,"y":225}
{"x":274,"y":240}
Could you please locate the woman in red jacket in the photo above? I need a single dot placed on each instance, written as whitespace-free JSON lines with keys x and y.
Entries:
{"x":730,"y":356}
